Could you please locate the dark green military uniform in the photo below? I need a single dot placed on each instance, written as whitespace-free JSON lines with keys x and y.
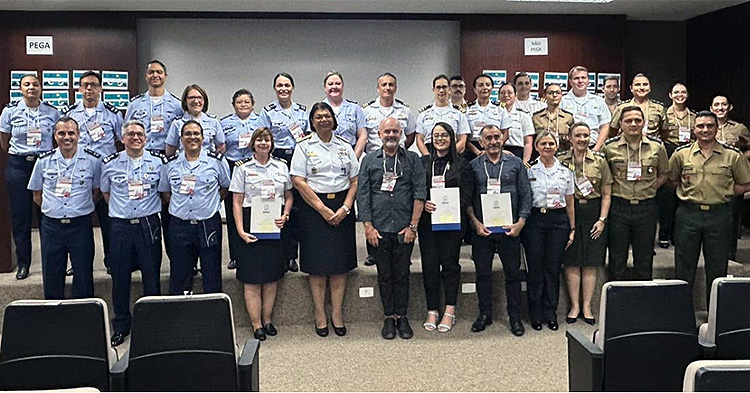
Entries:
{"x":705,"y":187}
{"x":633,"y":213}
{"x":559,"y":126}
{"x":654,"y":114}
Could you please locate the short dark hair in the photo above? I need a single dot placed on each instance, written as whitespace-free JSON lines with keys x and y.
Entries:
{"x":456,"y":78}
{"x":519,"y":76}
{"x":476,"y":78}
{"x":90,"y":73}
{"x":390,"y":75}
{"x":28,"y":76}
{"x":508,"y":84}
{"x":611,"y":78}
{"x":707,"y":114}
{"x":187,"y":123}
{"x":259,"y":133}
{"x":65,"y":119}
{"x":242,"y":92}
{"x":631,"y":108}
{"x":578,"y":124}
{"x":439,"y":77}
{"x":639,"y":75}
{"x":322,"y":106}
{"x":551,"y":84}
{"x":200,"y":90}
{"x":159,"y":63}
{"x":285,"y":75}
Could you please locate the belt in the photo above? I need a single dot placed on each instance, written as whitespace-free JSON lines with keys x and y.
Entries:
{"x":285,"y":151}
{"x":545,"y":210}
{"x":705,"y":207}
{"x":632,"y":201}
{"x":30,"y":157}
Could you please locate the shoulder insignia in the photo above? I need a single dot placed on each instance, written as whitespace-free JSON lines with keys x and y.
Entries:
{"x":598,"y":153}
{"x":243,"y":161}
{"x":654,"y":139}
{"x":226,"y":117}
{"x":279,"y":159}
{"x":530,"y":163}
{"x":658,"y":102}
{"x":496,"y":103}
{"x":424,"y":108}
{"x":49,"y":105}
{"x":93,"y":153}
{"x":12,"y":104}
{"x":302,"y":107}
{"x":159,"y":155}
{"x":111,"y":108}
{"x":210,"y":115}
{"x":110,"y":157}
{"x":542,"y":100}
{"x":726,"y":146}
{"x":522,"y":110}
{"x":365,"y":105}
{"x":215,"y":155}
{"x":539,"y":112}
{"x":352,"y":101}
{"x":172,"y":157}
{"x":46,"y":153}
{"x":68,"y":108}
{"x":687,"y":145}
{"x":341,"y":139}
{"x":461,"y":109}
{"x":613,"y":139}
{"x":270,"y":107}
{"x":471,"y":103}
{"x":401,"y":102}
{"x":136,"y":97}
{"x":175,"y":97}
{"x":568,"y":112}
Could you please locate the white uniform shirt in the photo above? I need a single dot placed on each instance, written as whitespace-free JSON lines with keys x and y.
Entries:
{"x":547,"y":181}
{"x":375,"y":113}
{"x":532,"y":105}
{"x":249,"y":175}
{"x":480,"y":116}
{"x":590,"y":109}
{"x":432,"y":114}
{"x":521,"y":127}
{"x":326,"y":166}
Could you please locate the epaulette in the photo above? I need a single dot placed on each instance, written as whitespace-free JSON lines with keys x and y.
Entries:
{"x":340,"y":138}
{"x":300,"y":106}
{"x":686,"y":146}
{"x":172,"y":158}
{"x":613,"y":139}
{"x":243,"y":161}
{"x":226,"y":117}
{"x":539,"y":111}
{"x":215,"y":155}
{"x":352,"y":101}
{"x":279,"y":159}
{"x":110,"y":157}
{"x":726,"y":147}
{"x":461,"y":109}
{"x":424,"y":108}
{"x":401,"y":102}
{"x":210,"y":115}
{"x":531,"y":163}
{"x":658,"y":102}
{"x":655,"y":139}
{"x":270,"y":107}
{"x":691,"y":112}
{"x":600,"y":154}
{"x":46,"y":153}
{"x":93,"y":153}
{"x":471,"y":103}
{"x":49,"y":105}
{"x":568,"y":165}
{"x":365,"y":105}
{"x":68,"y":108}
{"x":159,"y":155}
{"x":498,"y":103}
{"x":306,"y":137}
{"x":568,"y":112}
{"x":12,"y":104}
{"x":136,"y":97}
{"x":175,"y":97}
{"x":111,"y":108}
{"x":521,"y":109}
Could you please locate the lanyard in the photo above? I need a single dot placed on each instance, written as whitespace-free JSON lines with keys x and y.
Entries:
{"x":34,"y":119}
{"x":127,"y":168}
{"x":75,"y":162}
{"x":583,"y":164}
{"x":556,"y":132}
{"x":191,"y":169}
{"x":627,"y":149}
{"x":687,"y":115}
{"x":499,"y":175}
{"x":395,"y":163}
{"x":160,"y":104}
{"x":447,"y":166}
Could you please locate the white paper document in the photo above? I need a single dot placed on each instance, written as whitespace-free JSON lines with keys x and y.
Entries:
{"x":496,"y":211}
{"x":447,"y":215}
{"x":262,"y":216}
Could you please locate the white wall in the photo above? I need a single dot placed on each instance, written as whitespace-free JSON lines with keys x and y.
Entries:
{"x":223,"y":55}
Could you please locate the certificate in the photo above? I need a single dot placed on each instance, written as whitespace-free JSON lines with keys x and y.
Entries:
{"x":497,"y":211}
{"x":447,"y":214}
{"x":262,"y":215}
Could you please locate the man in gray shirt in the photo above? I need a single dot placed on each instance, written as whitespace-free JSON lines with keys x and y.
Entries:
{"x":390,"y":198}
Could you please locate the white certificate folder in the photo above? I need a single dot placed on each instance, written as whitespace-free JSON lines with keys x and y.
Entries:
{"x":262,"y":215}
{"x":497,"y":212}
{"x":447,"y":215}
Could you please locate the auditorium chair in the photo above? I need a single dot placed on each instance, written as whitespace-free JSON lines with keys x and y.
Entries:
{"x":717,"y":376}
{"x":646,"y":338}
{"x":727,"y":333}
{"x":56,"y":344}
{"x":186,"y":343}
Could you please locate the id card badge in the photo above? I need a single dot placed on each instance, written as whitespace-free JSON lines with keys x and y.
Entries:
{"x":684,"y":135}
{"x":554,"y":199}
{"x":157,"y":124}
{"x":634,"y":171}
{"x":584,"y":186}
{"x":267,"y":189}
{"x":63,"y":187}
{"x":136,"y":190}
{"x":477,"y":131}
{"x":493,"y":186}
{"x":389,"y":182}
{"x":438,"y":181}
{"x":244,"y":140}
{"x":187,"y":186}
{"x":581,"y":115}
{"x":297,"y":131}
{"x":96,"y":131}
{"x":34,"y":136}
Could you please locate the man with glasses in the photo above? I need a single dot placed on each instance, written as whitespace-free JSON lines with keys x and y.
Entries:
{"x":458,"y":91}
{"x":100,"y":125}
{"x":441,"y":111}
{"x":129,"y":184}
{"x":587,"y":107}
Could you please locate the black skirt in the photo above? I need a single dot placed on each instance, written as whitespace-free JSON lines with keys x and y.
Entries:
{"x":586,"y":251}
{"x":325,"y":249}
{"x":263,"y":261}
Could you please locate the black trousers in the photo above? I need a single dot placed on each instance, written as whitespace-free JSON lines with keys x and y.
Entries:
{"x":483,"y":250}
{"x":293,"y":224}
{"x":102,"y":214}
{"x":136,"y":245}
{"x":191,"y":240}
{"x":440,"y":251}
{"x":516,"y":150}
{"x":544,"y":239}
{"x":233,"y":238}
{"x":61,"y":238}
{"x":667,"y":200}
{"x":631,"y":224}
{"x":17,"y":174}
{"x":392,"y":260}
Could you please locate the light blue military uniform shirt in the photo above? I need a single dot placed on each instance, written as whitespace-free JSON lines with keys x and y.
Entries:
{"x":211,"y":172}
{"x":432,"y":114}
{"x":98,"y":130}
{"x":548,"y":181}
{"x":120,"y":173}
{"x":284,"y":123}
{"x":350,"y":118}
{"x":213,"y":134}
{"x":233,"y":127}
{"x":480,"y":116}
{"x":17,"y":119}
{"x":142,"y":107}
{"x":83,"y":171}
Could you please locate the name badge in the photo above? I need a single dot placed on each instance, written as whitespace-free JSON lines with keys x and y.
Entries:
{"x":581,"y":115}
{"x":493,"y":187}
{"x":476,"y":132}
{"x":634,"y":171}
{"x":96,"y":131}
{"x":296,"y":131}
{"x":584,"y":186}
{"x":187,"y":186}
{"x":136,"y":189}
{"x":33,"y":136}
{"x":63,"y":187}
{"x":244,"y":140}
{"x":684,"y":135}
{"x":389,"y":182}
{"x":554,"y":199}
{"x":438,"y":181}
{"x":157,"y":124}
{"x":267,"y":189}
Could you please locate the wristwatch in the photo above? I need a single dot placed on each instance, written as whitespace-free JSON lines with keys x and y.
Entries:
{"x":413,"y":228}
{"x":602,"y":219}
{"x":346,"y":209}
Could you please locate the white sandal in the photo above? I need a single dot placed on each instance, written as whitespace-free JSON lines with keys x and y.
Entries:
{"x":429,"y":326}
{"x":443,"y":328}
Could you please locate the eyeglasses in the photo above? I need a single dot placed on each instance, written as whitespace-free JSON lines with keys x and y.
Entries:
{"x":441,"y":87}
{"x":135,"y":135}
{"x":90,"y":85}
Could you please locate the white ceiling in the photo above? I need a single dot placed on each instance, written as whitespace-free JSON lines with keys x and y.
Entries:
{"x":668,"y":10}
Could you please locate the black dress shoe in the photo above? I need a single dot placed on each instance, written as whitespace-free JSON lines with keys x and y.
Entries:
{"x":590,"y":321}
{"x":404,"y":329}
{"x":536,"y":325}
{"x":370,"y":261}
{"x":516,"y":327}
{"x":195,"y":271}
{"x":552,"y":325}
{"x":270,"y":329}
{"x":322,"y":332}
{"x":481,"y":323}
{"x":571,"y":320}
{"x":340,"y":331}
{"x":664,"y":243}
{"x":118,"y":338}
{"x":69,"y":272}
{"x":260,"y":333}
{"x":232,"y":265}
{"x":292,"y":265}
{"x":389,"y":329}
{"x":22,"y":273}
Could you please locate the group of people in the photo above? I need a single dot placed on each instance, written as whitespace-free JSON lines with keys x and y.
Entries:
{"x":583,"y":174}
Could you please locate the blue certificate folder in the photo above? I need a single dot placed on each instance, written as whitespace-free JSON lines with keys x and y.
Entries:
{"x":267,"y":236}
{"x":446,"y":227}
{"x":497,"y":230}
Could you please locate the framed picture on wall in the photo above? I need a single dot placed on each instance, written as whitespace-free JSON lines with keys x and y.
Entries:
{"x":119,"y":99}
{"x":561,"y":78}
{"x":600,"y":79}
{"x":55,"y":80}
{"x":57,"y":98}
{"x":115,"y":80}
{"x":15,"y":78}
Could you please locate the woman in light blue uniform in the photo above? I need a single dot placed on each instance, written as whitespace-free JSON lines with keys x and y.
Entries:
{"x":238,"y":130}
{"x":195,"y":105}
{"x":349,"y":115}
